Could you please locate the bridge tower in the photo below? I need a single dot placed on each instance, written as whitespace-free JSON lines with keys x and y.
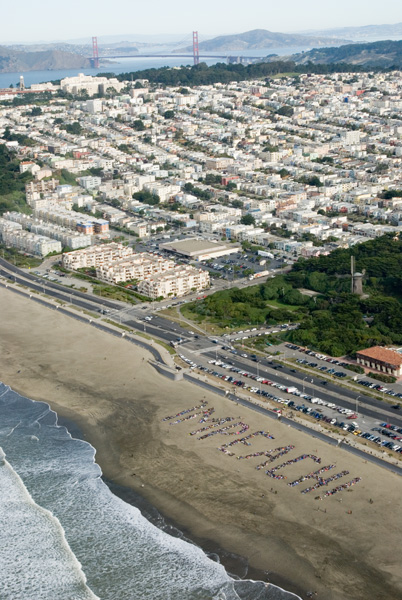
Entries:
{"x":196,"y":50}
{"x":95,"y":53}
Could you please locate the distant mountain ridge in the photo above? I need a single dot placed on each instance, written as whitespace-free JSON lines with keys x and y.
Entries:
{"x":14,"y":60}
{"x":262,"y":38}
{"x":384,"y":54}
{"x":364,"y":33}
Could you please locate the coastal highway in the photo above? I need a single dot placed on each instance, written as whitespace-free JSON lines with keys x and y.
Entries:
{"x":243,"y":363}
{"x":344,"y":397}
{"x":166,"y":330}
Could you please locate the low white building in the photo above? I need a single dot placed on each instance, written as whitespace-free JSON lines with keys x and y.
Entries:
{"x":135,"y":267}
{"x":180,"y":281}
{"x":95,"y":256}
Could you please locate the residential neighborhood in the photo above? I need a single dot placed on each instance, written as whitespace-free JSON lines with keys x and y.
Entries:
{"x":290,"y":167}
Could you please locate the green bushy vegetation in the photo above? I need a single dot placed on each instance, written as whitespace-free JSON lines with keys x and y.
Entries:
{"x":12,"y":183}
{"x":222,"y":73}
{"x":383,"y":378}
{"x":335,"y":321}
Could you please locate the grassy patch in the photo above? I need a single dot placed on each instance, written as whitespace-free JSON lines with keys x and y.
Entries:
{"x":276,"y":304}
{"x":18,"y":259}
{"x":166,"y":346}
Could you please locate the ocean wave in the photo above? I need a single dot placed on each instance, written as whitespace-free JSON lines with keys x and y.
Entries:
{"x":33,"y":547}
{"x":115,"y":550}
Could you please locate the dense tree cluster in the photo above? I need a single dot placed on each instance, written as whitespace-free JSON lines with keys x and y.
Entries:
{"x":334,"y":321}
{"x":222,"y":73}
{"x":12,"y":183}
{"x":146,"y":197}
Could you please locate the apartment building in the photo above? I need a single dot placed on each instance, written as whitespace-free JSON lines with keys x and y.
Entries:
{"x":96,"y":256}
{"x":135,"y":267}
{"x":34,"y":189}
{"x":74,"y":220}
{"x":31,"y":243}
{"x":177,"y":282}
{"x":67,"y":237}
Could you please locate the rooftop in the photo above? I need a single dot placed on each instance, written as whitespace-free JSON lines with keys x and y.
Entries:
{"x":382,"y":354}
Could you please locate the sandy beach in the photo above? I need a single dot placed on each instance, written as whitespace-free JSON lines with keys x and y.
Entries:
{"x":345,"y":546}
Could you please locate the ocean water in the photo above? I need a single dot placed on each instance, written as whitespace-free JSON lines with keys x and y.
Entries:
{"x":126,"y":65}
{"x":65,"y":535}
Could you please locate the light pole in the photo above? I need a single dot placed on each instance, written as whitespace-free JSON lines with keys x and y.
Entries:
{"x":303,"y":382}
{"x":258,"y":375}
{"x":357,"y":405}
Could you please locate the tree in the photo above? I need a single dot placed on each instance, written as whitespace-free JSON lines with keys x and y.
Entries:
{"x":169,"y":114}
{"x":146,"y":197}
{"x":36,"y":111}
{"x":247,"y":220}
{"x":73,"y":128}
{"x":285,"y":111}
{"x":138,"y":125}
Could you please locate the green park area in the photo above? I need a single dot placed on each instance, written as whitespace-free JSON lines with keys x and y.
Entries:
{"x":334,"y":321}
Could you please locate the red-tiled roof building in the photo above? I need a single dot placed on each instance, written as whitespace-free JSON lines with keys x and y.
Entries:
{"x":381,"y":359}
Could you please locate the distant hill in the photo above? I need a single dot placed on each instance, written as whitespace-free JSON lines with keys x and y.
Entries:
{"x":376,"y":54}
{"x":366,"y":33}
{"x":13,"y":60}
{"x":261,"y":38}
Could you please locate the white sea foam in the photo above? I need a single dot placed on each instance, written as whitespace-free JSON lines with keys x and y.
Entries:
{"x":33,"y":547}
{"x":122,"y":554}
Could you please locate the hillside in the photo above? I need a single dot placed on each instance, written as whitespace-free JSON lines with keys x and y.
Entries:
{"x":377,"y":54}
{"x":366,"y":33}
{"x":261,"y":38}
{"x":17,"y":61}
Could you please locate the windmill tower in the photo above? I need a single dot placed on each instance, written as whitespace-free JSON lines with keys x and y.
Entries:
{"x":357,"y":279}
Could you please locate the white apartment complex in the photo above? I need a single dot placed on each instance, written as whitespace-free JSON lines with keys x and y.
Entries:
{"x":13,"y":235}
{"x":89,"y":84}
{"x":137,"y":266}
{"x":96,"y":256}
{"x":177,"y":282}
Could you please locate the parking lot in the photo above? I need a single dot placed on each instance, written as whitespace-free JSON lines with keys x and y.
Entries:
{"x":383,"y":434}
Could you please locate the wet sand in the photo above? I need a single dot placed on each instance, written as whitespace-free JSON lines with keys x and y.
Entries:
{"x":343,"y":546}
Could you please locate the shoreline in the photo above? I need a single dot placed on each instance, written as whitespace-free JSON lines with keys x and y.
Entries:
{"x":236,"y":566}
{"x":341,"y":547}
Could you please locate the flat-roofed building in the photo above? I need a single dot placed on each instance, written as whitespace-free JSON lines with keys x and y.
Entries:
{"x":134,"y":267}
{"x":96,"y":256}
{"x":381,"y":359}
{"x":180,"y":281}
{"x":198,"y":250}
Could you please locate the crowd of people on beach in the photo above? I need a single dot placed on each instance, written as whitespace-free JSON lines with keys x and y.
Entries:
{"x":281,"y":451}
{"x":184,"y":412}
{"x":312,"y":475}
{"x":321,"y":481}
{"x":238,"y":428}
{"x":271,"y":472}
{"x":224,"y":430}
{"x":344,"y":486}
{"x":215,"y":423}
{"x":245,"y":439}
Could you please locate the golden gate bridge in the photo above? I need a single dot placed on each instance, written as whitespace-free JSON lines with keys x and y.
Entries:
{"x":95,"y":58}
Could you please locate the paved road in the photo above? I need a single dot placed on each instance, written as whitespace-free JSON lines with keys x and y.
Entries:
{"x":169,"y":331}
{"x":330,"y":393}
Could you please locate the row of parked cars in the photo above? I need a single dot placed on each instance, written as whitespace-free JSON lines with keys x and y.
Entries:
{"x":323,"y":369}
{"x":380,"y":388}
{"x":314,"y":411}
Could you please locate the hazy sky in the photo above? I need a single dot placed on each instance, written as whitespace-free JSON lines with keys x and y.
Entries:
{"x":28,"y":20}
